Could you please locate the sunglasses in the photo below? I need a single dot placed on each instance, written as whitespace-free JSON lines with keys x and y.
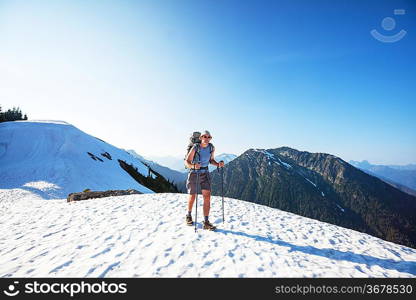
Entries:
{"x":206,"y":137}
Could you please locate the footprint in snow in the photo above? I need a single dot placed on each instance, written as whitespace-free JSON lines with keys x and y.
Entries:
{"x":108,"y":238}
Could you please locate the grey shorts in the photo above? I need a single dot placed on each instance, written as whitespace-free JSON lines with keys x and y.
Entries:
{"x":204,"y":182}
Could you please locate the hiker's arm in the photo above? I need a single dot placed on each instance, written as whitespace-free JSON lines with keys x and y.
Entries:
{"x":212,"y":160}
{"x":189,"y":159}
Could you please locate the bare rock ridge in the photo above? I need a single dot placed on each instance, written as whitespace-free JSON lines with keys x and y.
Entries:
{"x":99,"y":194}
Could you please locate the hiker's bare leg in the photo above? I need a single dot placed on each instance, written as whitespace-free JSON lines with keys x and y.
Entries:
{"x":191,"y":201}
{"x":207,"y":200}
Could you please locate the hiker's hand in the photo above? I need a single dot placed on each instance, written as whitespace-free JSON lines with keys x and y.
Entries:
{"x":197,"y":166}
{"x":221,"y":164}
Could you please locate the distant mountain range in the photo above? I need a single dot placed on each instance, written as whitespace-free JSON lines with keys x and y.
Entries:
{"x":178,"y":178}
{"x":224,"y":157}
{"x":323,"y":187}
{"x":402,"y":177}
{"x":171,"y":162}
{"x":175,"y":176}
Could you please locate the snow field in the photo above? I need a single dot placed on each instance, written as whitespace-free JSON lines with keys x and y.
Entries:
{"x":146,"y":236}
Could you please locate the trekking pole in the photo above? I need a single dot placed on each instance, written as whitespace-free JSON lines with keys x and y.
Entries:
{"x":218,"y":170}
{"x":196,"y":198}
{"x":222,"y":192}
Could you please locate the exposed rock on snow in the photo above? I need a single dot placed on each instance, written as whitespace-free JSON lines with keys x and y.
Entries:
{"x":99,"y":194}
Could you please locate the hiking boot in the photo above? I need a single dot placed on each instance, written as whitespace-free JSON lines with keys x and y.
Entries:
{"x":189,"y":221}
{"x":209,"y":226}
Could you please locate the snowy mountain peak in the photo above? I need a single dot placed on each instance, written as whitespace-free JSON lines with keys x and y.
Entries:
{"x":54,"y":160}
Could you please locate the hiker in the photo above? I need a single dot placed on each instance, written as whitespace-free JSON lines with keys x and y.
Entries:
{"x":197,"y":160}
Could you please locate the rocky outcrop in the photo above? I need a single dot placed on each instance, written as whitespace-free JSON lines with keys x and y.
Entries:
{"x":99,"y":194}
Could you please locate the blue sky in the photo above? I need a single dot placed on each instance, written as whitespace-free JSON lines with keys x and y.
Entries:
{"x":258,"y":74}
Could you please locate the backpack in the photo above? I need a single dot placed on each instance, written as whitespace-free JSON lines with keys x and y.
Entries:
{"x":194,"y":140}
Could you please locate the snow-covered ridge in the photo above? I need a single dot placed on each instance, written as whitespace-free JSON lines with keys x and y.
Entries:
{"x":54,"y":158}
{"x":145,"y":236}
{"x":45,"y":121}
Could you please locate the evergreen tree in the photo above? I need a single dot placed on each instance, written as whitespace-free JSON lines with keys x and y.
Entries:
{"x":13,"y":114}
{"x":1,"y":115}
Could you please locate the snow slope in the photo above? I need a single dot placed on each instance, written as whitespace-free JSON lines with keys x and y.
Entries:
{"x":145,"y":236}
{"x":51,"y":159}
